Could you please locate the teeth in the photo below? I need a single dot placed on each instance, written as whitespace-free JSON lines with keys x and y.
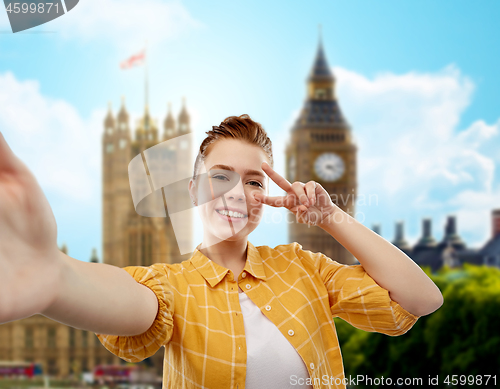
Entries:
{"x":230,"y":213}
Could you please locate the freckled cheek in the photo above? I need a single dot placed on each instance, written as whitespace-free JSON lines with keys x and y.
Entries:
{"x":255,"y":211}
{"x":251,"y":202}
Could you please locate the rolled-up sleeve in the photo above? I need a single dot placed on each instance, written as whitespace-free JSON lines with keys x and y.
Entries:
{"x":356,"y":297}
{"x":138,"y":347}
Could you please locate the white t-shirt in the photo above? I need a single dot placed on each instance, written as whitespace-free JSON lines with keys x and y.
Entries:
{"x":271,"y":359}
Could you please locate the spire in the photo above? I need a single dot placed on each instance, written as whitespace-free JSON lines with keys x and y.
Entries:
{"x":123,"y":114}
{"x":94,"y":258}
{"x":399,"y":240}
{"x":169,"y":123}
{"x":320,"y":70}
{"x":147,"y":118}
{"x":109,"y":121}
{"x":451,"y":236}
{"x":64,"y":248}
{"x":146,"y":127}
{"x":426,"y":241}
{"x":183,"y":118}
{"x":321,"y":108}
{"x":146,"y":78}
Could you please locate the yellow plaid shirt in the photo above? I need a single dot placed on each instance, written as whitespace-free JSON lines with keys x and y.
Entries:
{"x":200,"y":322}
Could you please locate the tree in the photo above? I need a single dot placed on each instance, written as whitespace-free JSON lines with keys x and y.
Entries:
{"x":462,"y":337}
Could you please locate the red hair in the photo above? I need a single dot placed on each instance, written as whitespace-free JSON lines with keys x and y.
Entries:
{"x":235,"y":127}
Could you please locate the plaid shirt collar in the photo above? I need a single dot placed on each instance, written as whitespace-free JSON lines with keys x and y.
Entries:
{"x":214,"y":273}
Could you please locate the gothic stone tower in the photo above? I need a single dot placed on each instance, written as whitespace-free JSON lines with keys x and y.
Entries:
{"x":130,"y":239}
{"x":321,"y":148}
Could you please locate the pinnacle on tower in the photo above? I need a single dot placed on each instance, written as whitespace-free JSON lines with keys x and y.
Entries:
{"x":451,"y":235}
{"x":64,"y":248}
{"x":399,"y":240}
{"x":320,"y":70}
{"x":147,"y":118}
{"x":123,"y":115}
{"x":109,"y":121}
{"x":94,"y":258}
{"x":321,"y":108}
{"x":169,"y":123}
{"x":426,"y":241}
{"x":183,"y":118}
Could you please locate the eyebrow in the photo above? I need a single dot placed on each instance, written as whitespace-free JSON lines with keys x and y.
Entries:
{"x":246,"y":171}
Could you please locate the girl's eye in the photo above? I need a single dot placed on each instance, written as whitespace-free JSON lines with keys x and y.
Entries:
{"x":257,"y":182}
{"x":220,"y":176}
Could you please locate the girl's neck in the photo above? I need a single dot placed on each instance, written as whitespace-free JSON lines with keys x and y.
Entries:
{"x":229,"y":254}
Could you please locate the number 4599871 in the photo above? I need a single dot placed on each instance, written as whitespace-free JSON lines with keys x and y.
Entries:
{"x":470,"y":379}
{"x":33,"y":7}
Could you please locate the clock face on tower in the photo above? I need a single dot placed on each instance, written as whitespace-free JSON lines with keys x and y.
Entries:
{"x":329,"y":167}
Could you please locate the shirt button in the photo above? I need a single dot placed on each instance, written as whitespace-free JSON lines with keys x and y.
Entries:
{"x":268,"y":307}
{"x":290,"y":332}
{"x":243,"y":274}
{"x":248,"y":286}
{"x":311,"y":366}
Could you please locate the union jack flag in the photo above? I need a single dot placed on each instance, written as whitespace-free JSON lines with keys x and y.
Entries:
{"x":134,"y":60}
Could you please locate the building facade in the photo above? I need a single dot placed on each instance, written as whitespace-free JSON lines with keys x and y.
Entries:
{"x":130,"y":239}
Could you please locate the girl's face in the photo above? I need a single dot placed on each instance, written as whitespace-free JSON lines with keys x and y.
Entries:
{"x":225,"y":158}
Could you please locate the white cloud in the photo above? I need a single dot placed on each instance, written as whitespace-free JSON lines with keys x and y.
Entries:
{"x":411,"y":151}
{"x":58,"y":146}
{"x":126,"y":23}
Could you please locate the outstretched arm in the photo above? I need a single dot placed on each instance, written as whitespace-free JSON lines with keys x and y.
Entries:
{"x":36,"y":277}
{"x":101,"y":298}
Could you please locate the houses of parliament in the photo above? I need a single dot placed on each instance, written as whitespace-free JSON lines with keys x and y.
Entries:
{"x":320,"y":148}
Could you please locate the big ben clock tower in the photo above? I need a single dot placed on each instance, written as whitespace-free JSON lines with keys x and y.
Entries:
{"x":321,"y":148}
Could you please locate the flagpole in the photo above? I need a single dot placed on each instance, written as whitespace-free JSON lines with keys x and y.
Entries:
{"x":146,"y":87}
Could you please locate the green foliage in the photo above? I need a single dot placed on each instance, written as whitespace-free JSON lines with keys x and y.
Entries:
{"x":462,"y":337}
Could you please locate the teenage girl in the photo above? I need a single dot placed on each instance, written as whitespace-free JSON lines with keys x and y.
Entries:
{"x":234,"y":315}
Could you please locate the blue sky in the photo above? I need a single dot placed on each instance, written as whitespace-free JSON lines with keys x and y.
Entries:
{"x":417,"y":80}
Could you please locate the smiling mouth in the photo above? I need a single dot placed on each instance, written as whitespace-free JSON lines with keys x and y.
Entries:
{"x":231,"y":214}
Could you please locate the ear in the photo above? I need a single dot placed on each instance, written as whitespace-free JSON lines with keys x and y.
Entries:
{"x":192,"y":191}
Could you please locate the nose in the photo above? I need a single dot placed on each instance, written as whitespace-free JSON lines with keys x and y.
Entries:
{"x":236,"y":193}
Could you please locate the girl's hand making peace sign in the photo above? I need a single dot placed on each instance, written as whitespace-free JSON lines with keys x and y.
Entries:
{"x":310,"y":202}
